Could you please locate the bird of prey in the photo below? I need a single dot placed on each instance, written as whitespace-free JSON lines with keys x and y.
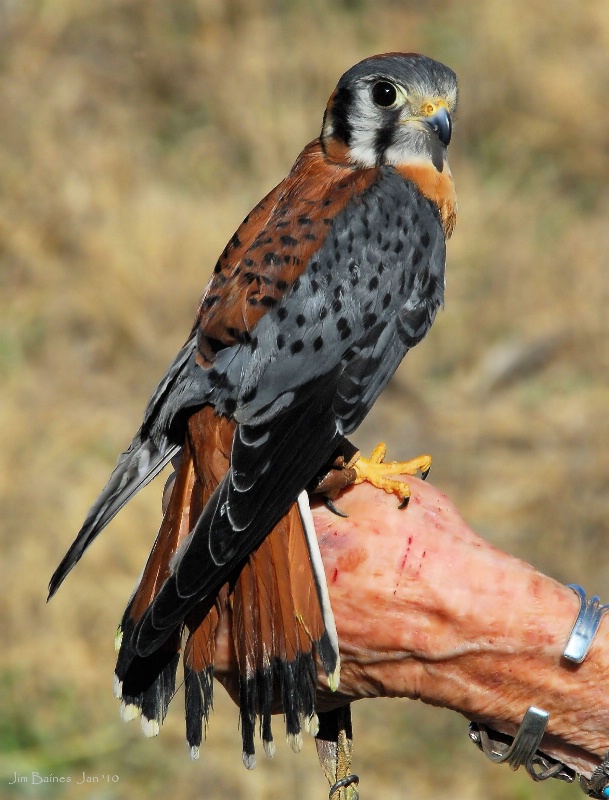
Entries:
{"x":312,"y":305}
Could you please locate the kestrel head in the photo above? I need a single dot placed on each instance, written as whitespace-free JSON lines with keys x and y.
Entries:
{"x":391,"y":109}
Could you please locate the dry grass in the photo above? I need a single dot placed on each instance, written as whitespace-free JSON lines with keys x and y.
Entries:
{"x":134,"y":136}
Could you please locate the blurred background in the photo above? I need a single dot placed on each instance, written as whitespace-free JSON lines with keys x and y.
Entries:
{"x":134,"y":137}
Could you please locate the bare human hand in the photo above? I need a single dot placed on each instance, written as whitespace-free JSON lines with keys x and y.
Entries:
{"x":427,"y":609}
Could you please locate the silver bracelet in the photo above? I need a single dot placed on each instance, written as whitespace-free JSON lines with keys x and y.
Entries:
{"x":585,"y":627}
{"x":522,"y":749}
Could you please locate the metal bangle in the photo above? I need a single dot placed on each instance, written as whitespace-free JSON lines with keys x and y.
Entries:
{"x":522,"y":750}
{"x":585,"y":627}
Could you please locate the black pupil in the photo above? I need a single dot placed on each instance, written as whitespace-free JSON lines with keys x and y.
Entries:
{"x":384,"y":94}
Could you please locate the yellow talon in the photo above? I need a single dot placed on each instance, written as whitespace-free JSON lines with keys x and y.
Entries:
{"x":376,"y":471}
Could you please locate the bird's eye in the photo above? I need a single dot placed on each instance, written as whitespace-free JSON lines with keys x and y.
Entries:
{"x":384,"y":94}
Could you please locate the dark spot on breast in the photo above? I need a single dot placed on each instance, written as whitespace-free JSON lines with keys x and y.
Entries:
{"x":268,"y":301}
{"x":399,"y":246}
{"x":345,"y":333}
{"x":296,"y":285}
{"x":417,"y":256}
{"x":323,"y":313}
{"x":337,"y":306}
{"x":249,"y":262}
{"x":305,"y":221}
{"x":281,"y":284}
{"x":328,"y":202}
{"x":254,"y":344}
{"x":425,"y":239}
{"x":300,"y":320}
{"x":342,"y":324}
{"x":373,"y":283}
{"x":282,"y":313}
{"x":338,"y":292}
{"x":296,"y":346}
{"x":315,"y":266}
{"x":280,"y":342}
{"x":314,"y":287}
{"x":318,"y":344}
{"x":386,"y":300}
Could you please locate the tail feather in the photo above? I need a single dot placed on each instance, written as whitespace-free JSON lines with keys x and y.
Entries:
{"x":199,"y":656}
{"x":278,"y":624}
{"x":147,"y":684}
{"x":275,"y":602}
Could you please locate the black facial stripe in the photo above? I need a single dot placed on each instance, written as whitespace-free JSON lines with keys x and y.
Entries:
{"x":340,"y":114}
{"x":384,"y":139}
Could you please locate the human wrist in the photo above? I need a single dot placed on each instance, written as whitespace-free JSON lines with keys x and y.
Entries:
{"x":459,"y":623}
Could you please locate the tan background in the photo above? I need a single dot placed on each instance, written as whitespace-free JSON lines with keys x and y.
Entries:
{"x":134,"y":136}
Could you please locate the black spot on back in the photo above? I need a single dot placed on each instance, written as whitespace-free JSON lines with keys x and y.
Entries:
{"x":250,"y":395}
{"x":272,"y":259}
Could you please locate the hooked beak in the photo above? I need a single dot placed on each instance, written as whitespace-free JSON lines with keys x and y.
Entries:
{"x":440,"y":123}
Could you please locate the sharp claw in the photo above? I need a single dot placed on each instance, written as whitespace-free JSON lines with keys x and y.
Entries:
{"x":404,"y":502}
{"x":425,"y":473}
{"x":331,"y":507}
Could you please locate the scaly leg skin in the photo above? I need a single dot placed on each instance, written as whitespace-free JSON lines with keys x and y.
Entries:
{"x":376,"y":471}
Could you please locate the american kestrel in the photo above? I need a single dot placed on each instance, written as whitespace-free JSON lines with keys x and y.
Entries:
{"x":312,"y":305}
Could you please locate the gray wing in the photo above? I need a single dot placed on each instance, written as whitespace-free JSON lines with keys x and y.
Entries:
{"x":151,"y":449}
{"x":315,"y":365}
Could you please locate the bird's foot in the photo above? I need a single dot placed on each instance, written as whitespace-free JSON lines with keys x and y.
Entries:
{"x":378,"y":472}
